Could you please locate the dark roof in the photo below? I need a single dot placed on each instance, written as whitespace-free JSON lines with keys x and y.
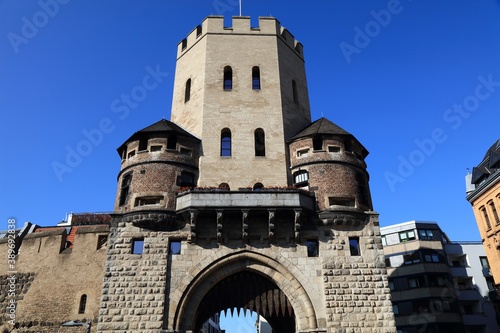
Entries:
{"x":162,"y":126}
{"x":490,"y":162}
{"x":165,"y":126}
{"x":320,"y":126}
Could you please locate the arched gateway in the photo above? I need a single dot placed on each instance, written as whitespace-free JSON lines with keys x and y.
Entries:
{"x":250,"y":281}
{"x":280,"y":223}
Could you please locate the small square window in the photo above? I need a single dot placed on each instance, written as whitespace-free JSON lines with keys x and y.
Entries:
{"x":312,"y":248}
{"x":175,"y":247}
{"x":138,"y":246}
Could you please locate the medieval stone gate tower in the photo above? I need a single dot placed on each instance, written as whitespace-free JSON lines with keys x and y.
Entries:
{"x":241,"y":202}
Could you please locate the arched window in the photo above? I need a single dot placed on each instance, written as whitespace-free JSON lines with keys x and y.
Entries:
{"x":124,"y":190}
{"x":258,"y":187}
{"x":225,"y":142}
{"x":260,"y":144}
{"x":485,"y":217}
{"x":255,"y":78}
{"x":294,"y":92}
{"x":83,"y":304}
{"x":228,"y":78}
{"x":300,"y":178}
{"x":224,"y":186}
{"x":187,"y":92}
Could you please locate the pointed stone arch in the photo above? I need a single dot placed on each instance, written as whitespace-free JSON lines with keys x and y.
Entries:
{"x":186,"y":311}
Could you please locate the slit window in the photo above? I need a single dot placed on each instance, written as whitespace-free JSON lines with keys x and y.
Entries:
{"x":124,"y":191}
{"x":138,"y":246}
{"x":294,"y":92}
{"x":312,"y":248}
{"x":83,"y":304}
{"x":354,"y":246}
{"x":198,"y":31}
{"x":124,"y":153}
{"x":303,"y":152}
{"x":333,"y":149}
{"x":255,"y":78}
{"x":335,"y":201}
{"x":187,"y":91}
{"x":225,"y":142}
{"x":156,"y":148}
{"x":260,"y":146}
{"x":184,"y":43}
{"x":228,"y":78}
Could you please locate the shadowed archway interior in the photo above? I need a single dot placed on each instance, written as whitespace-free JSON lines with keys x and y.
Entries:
{"x":248,"y":291}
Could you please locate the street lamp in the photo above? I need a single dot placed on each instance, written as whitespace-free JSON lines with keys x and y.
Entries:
{"x":73,"y":323}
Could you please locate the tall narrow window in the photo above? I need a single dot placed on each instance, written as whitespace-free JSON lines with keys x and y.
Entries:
{"x":255,"y":78}
{"x":172,"y":142}
{"x":312,"y":247}
{"x":260,"y":144}
{"x":318,"y":143}
{"x":294,"y":92}
{"x":228,"y":78}
{"x":225,"y":142}
{"x":83,"y":304}
{"x":143,"y":143}
{"x":187,"y":92}
{"x":126,"y":180}
{"x":198,"y":31}
{"x":494,"y":211}
{"x":486,"y":218}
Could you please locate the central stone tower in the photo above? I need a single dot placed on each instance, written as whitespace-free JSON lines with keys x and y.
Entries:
{"x":241,"y":202}
{"x":238,"y":89}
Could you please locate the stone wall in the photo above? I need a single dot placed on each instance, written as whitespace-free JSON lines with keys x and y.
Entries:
{"x":51,"y":278}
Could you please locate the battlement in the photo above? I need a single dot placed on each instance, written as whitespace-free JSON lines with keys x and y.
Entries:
{"x":241,"y":26}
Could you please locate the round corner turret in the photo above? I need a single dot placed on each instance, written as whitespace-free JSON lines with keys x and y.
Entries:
{"x":330,"y":162}
{"x":156,"y":162}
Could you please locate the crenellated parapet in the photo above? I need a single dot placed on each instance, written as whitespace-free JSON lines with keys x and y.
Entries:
{"x":268,"y":26}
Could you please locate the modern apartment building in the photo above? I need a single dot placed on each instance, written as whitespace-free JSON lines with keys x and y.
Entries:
{"x":437,"y":285}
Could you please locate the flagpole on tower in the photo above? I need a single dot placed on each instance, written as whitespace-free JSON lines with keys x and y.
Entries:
{"x":240,"y":7}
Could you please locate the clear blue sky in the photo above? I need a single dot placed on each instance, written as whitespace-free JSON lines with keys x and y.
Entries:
{"x":417,"y":82}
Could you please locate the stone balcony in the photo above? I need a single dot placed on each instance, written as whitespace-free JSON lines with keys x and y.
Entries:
{"x":263,"y":199}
